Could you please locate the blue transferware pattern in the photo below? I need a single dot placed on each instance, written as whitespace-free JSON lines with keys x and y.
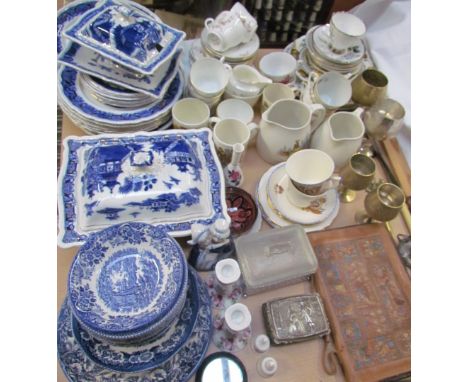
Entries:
{"x":126,"y":278}
{"x":78,"y":367}
{"x":151,"y":353}
{"x":99,"y":186}
{"x":126,"y":35}
{"x":67,"y":14}
{"x":70,"y":92}
{"x":92,"y":63}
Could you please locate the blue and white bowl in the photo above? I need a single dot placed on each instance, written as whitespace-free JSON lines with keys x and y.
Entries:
{"x":128,"y":281}
{"x":149,"y":354}
{"x":180,"y":367}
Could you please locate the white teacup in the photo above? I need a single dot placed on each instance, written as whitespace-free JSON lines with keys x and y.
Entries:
{"x":275,"y":92}
{"x":209,"y":76}
{"x":191,"y":113}
{"x":235,"y":109}
{"x":311,"y":174}
{"x":331,"y":89}
{"x":228,"y":132}
{"x":279,"y":66}
{"x":345,"y":30}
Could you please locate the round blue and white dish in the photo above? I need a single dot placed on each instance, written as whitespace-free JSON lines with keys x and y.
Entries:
{"x":127,"y":280}
{"x":148,"y":354}
{"x":79,"y":367}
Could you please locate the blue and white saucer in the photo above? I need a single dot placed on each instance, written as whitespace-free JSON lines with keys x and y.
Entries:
{"x":127,"y":281}
{"x":79,"y":367}
{"x":151,"y":353}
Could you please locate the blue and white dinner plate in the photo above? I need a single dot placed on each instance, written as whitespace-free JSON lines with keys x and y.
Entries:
{"x":125,"y":35}
{"x":70,"y":93}
{"x":128,"y":278}
{"x":151,"y":353}
{"x":79,"y":367}
{"x":171,"y":178}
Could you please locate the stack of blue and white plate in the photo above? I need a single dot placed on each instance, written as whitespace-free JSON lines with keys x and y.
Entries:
{"x":118,"y":66}
{"x":135,"y":311}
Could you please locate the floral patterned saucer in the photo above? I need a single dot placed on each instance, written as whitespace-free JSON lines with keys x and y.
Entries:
{"x":78,"y":367}
{"x":317,"y":211}
{"x":274,"y":217}
{"x":128,"y":281}
{"x":225,"y":342}
{"x":152,"y":352}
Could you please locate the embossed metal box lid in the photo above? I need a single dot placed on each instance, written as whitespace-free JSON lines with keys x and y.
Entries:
{"x":295,"y":319}
{"x":274,"y":258}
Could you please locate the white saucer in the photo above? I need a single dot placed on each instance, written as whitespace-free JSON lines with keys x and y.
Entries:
{"x":273,"y":217}
{"x":241,"y":52}
{"x":277,"y":187}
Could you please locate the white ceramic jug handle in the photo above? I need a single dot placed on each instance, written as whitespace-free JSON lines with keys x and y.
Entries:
{"x":253,"y":131}
{"x":208,"y":22}
{"x":318,"y":111}
{"x":213,"y":121}
{"x":358,"y":111}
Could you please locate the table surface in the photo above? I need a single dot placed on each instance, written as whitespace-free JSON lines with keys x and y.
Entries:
{"x":297,"y":362}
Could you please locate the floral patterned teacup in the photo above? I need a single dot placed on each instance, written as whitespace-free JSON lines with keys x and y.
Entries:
{"x":310,"y":175}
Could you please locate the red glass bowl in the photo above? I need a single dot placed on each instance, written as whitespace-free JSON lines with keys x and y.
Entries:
{"x":242,"y":210}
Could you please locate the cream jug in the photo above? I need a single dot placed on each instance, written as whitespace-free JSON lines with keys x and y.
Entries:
{"x":285,"y":128}
{"x":246,"y":81}
{"x":340,"y":136}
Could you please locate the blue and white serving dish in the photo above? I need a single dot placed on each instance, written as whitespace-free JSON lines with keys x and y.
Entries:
{"x":171,"y":178}
{"x":69,"y":14}
{"x":128,"y":279}
{"x":71,"y":94}
{"x":80,"y":367}
{"x":151,"y":353}
{"x":125,"y":35}
{"x":90,"y":62}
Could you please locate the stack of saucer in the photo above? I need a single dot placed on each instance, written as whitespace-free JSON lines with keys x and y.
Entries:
{"x":118,"y":66}
{"x":134,"y":311}
{"x":316,"y":52}
{"x":278,"y":210}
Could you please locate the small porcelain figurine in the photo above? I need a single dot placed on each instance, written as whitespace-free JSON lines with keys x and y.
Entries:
{"x":233,"y":172}
{"x":210,"y":244}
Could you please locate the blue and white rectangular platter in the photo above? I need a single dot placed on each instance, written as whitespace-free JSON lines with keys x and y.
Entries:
{"x":125,"y":35}
{"x":92,"y":63}
{"x":172,"y":178}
